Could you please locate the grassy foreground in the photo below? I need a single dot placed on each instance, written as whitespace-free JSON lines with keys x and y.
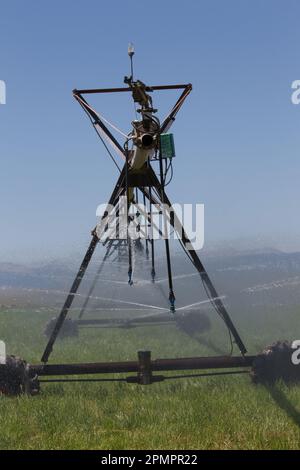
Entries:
{"x":206,"y":413}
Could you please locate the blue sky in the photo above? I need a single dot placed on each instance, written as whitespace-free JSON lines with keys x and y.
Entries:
{"x":237,"y":136}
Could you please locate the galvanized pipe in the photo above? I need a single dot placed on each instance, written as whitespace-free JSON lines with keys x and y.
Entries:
{"x":190,"y":363}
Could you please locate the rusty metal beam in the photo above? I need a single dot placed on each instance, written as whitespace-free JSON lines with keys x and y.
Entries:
{"x":188,"y":363}
{"x":126,"y":89}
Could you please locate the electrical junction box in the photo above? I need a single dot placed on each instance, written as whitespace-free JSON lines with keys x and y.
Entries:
{"x":167,"y":146}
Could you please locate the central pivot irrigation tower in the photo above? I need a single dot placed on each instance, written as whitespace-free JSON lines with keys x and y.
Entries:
{"x":149,"y":142}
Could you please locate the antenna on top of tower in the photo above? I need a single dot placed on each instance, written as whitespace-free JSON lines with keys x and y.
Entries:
{"x":131,"y":54}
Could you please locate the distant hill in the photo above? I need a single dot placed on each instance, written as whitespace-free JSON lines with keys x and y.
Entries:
{"x":247,"y":278}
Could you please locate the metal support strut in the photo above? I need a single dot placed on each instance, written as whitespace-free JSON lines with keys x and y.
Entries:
{"x":193,"y":256}
{"x":167,"y":245}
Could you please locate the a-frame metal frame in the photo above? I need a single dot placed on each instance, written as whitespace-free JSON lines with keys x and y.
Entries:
{"x":148,"y":184}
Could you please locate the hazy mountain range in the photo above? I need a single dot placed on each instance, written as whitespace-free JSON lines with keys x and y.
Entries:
{"x":246,"y":278}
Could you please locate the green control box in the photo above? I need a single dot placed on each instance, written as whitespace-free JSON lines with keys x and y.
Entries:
{"x":167,"y":146}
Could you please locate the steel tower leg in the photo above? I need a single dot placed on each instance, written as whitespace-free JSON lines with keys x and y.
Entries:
{"x":211,"y":290}
{"x":83,"y":267}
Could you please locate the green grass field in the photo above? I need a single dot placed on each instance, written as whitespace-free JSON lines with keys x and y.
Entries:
{"x":205,"y":413}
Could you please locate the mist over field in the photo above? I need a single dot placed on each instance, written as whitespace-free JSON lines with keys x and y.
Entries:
{"x":261,"y":292}
{"x":258,"y":287}
{"x":247,"y":279}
